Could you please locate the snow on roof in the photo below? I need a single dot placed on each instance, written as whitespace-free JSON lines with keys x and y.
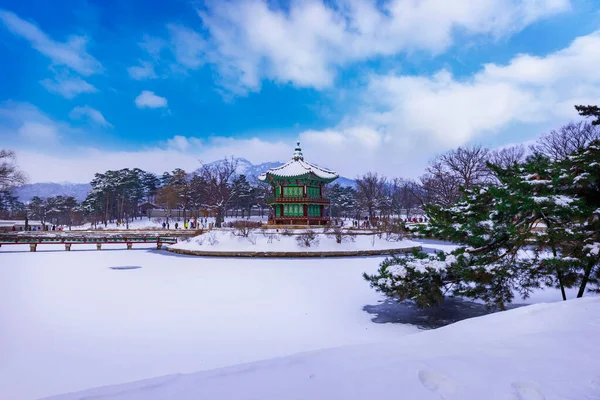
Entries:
{"x":298,"y":167}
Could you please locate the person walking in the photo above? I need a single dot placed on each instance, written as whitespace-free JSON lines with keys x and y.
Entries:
{"x":164,"y":225}
{"x":176,"y":225}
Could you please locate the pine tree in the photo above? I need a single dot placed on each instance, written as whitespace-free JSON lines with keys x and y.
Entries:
{"x":243,"y":194}
{"x":590,"y":111}
{"x":537,"y":227}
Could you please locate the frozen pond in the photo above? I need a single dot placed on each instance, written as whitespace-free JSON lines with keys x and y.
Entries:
{"x":86,"y":318}
{"x":71,"y":321}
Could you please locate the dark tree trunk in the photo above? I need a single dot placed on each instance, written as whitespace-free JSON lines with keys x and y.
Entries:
{"x":560,"y":277}
{"x":585,"y":279}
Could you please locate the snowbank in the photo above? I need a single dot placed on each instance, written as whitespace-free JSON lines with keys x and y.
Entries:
{"x":271,"y":240}
{"x":544,"y":351}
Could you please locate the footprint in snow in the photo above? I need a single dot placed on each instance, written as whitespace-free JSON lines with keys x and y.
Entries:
{"x":527,"y":391}
{"x":437,"y":382}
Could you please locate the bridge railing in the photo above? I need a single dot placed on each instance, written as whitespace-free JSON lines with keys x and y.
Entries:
{"x":69,"y":240}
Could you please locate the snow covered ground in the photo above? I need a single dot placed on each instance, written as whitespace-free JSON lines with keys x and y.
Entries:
{"x":544,"y":351}
{"x":271,"y":240}
{"x":71,"y":322}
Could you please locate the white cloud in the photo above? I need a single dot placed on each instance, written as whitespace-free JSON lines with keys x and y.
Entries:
{"x":188,"y":46}
{"x":399,"y":123}
{"x":68,"y":86}
{"x":178,"y":142}
{"x":153,"y":45}
{"x":251,"y":40}
{"x":91,"y":114}
{"x":143,"y":71}
{"x":71,"y":53}
{"x":148,"y":99}
{"x":80,"y":164}
{"x":403,"y":120}
{"x":32,"y":130}
{"x":25,"y":123}
{"x":526,"y":90}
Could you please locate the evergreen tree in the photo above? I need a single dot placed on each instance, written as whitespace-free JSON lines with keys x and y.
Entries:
{"x":538,"y":227}
{"x":37,"y":208}
{"x":150,"y":183}
{"x":590,"y":111}
{"x":243,"y":194}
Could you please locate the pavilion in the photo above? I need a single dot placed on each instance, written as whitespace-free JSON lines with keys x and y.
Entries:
{"x":298,"y":192}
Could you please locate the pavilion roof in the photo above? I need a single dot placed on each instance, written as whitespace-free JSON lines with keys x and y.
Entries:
{"x":297,"y":168}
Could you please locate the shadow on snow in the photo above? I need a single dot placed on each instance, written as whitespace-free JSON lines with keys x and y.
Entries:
{"x":451,"y":310}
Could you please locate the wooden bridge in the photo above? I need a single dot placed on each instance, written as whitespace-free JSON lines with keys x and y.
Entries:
{"x":70,"y":239}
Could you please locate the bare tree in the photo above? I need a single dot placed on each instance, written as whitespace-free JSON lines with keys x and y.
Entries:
{"x":218,"y":189}
{"x":370,"y":190}
{"x":468,"y":164}
{"x":508,"y":156}
{"x":439,"y":185}
{"x":168,"y":198}
{"x":403,"y":197}
{"x":558,"y":144}
{"x":444,"y":176}
{"x":10,"y":175}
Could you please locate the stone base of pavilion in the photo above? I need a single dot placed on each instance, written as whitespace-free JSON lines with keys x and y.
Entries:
{"x":294,"y":254}
{"x":298,"y":222}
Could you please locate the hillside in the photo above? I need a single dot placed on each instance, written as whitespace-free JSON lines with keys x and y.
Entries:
{"x":51,"y":189}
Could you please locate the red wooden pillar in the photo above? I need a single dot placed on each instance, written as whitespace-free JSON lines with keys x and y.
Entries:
{"x":305,"y":209}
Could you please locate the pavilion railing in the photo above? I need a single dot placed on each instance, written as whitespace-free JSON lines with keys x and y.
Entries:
{"x":299,"y":220}
{"x":297,"y":199}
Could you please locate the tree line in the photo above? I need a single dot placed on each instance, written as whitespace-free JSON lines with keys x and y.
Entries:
{"x":216,"y":188}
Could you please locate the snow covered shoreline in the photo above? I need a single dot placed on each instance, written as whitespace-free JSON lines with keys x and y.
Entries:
{"x":287,"y":244}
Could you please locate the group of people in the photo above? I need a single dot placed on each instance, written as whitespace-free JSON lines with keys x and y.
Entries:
{"x":36,"y":228}
{"x":187,"y":224}
{"x":366,"y":223}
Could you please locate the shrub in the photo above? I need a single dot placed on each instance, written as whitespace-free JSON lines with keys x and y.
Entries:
{"x":307,"y":238}
{"x":420,"y":277}
{"x":244,"y":228}
{"x":341,"y":235}
{"x":393,"y":231}
{"x":212,"y":239}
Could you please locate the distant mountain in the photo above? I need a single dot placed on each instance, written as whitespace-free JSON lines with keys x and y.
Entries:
{"x":344,"y":182}
{"x":51,"y":189}
{"x":252,"y":171}
{"x":80,"y":190}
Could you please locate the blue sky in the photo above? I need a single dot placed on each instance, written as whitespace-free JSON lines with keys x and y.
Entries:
{"x":365,"y":85}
